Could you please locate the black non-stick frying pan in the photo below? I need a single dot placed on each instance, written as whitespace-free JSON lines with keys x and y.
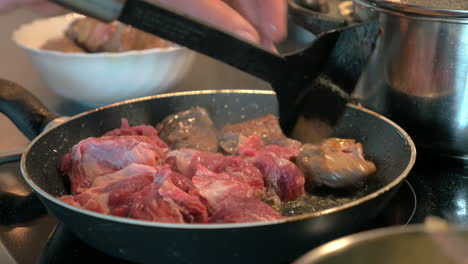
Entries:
{"x":281,"y":241}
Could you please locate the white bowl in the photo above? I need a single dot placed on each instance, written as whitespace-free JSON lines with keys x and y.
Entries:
{"x":100,"y":78}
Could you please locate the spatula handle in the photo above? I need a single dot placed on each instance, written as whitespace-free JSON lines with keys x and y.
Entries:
{"x":104,"y":10}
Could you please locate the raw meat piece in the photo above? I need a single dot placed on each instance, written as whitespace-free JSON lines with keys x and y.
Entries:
{"x":251,"y":145}
{"x":131,"y":170}
{"x":183,"y":183}
{"x":145,"y":193}
{"x":96,"y":36}
{"x":217,"y":187}
{"x":190,"y":206}
{"x":141,"y":130}
{"x":232,"y":165}
{"x":169,"y":202}
{"x":267,"y":128}
{"x":186,"y":161}
{"x":239,"y":210}
{"x":280,"y":175}
{"x":62,"y":44}
{"x":113,"y":198}
{"x":336,"y":163}
{"x":180,"y":160}
{"x":148,"y":205}
{"x":190,"y":129}
{"x":94,"y":157}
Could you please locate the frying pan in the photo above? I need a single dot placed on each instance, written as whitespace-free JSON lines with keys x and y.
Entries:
{"x":282,"y":241}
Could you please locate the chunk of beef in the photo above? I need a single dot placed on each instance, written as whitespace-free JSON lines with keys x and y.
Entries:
{"x":148,"y":205}
{"x":217,"y":187}
{"x":187,"y":161}
{"x":336,"y":163}
{"x":232,"y":165}
{"x":113,"y":198}
{"x":281,"y":175}
{"x":180,"y":160}
{"x":241,"y":210}
{"x":93,"y":157}
{"x":141,"y":130}
{"x":192,"y":129}
{"x":175,"y":201}
{"x":188,"y":203}
{"x":183,"y":183}
{"x":97,"y":36}
{"x":62,"y":44}
{"x":145,"y":193}
{"x":267,"y":128}
{"x":249,"y":146}
{"x":129,"y":171}
{"x":90,"y":33}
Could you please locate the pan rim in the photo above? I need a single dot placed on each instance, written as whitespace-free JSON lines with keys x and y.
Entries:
{"x":210,"y":226}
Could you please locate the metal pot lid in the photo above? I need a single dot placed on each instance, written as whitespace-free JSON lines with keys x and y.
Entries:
{"x":429,"y":8}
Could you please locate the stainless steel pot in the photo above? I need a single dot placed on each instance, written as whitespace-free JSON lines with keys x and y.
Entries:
{"x":402,"y":245}
{"x":418,"y":73}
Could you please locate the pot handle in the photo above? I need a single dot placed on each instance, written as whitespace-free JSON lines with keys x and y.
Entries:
{"x":24,"y":109}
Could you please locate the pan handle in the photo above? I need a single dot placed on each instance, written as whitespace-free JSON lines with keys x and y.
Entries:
{"x":31,"y":117}
{"x":24,"y":109}
{"x":16,"y":209}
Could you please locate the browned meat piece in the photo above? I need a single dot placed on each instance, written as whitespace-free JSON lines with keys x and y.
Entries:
{"x":336,"y":163}
{"x":192,"y":129}
{"x":266,"y":127}
{"x":96,"y":36}
{"x":62,"y":44}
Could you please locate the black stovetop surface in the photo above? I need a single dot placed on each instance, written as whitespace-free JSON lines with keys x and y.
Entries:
{"x":435,"y":186}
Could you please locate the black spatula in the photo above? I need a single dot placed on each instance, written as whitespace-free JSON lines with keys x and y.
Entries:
{"x":308,"y":109}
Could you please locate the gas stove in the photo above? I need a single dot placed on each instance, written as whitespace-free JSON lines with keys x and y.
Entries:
{"x":436,"y":186}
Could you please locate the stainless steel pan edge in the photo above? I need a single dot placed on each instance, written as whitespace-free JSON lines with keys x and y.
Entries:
{"x":371,"y":196}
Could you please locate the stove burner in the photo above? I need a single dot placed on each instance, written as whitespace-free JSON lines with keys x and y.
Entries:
{"x":64,"y":247}
{"x":401,"y":209}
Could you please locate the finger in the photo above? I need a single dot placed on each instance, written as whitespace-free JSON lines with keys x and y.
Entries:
{"x":268,"y":16}
{"x":216,"y":13}
{"x":274,"y":19}
{"x":269,"y":45}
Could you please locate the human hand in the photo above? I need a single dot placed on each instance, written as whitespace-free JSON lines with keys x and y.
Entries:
{"x":263,"y":22}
